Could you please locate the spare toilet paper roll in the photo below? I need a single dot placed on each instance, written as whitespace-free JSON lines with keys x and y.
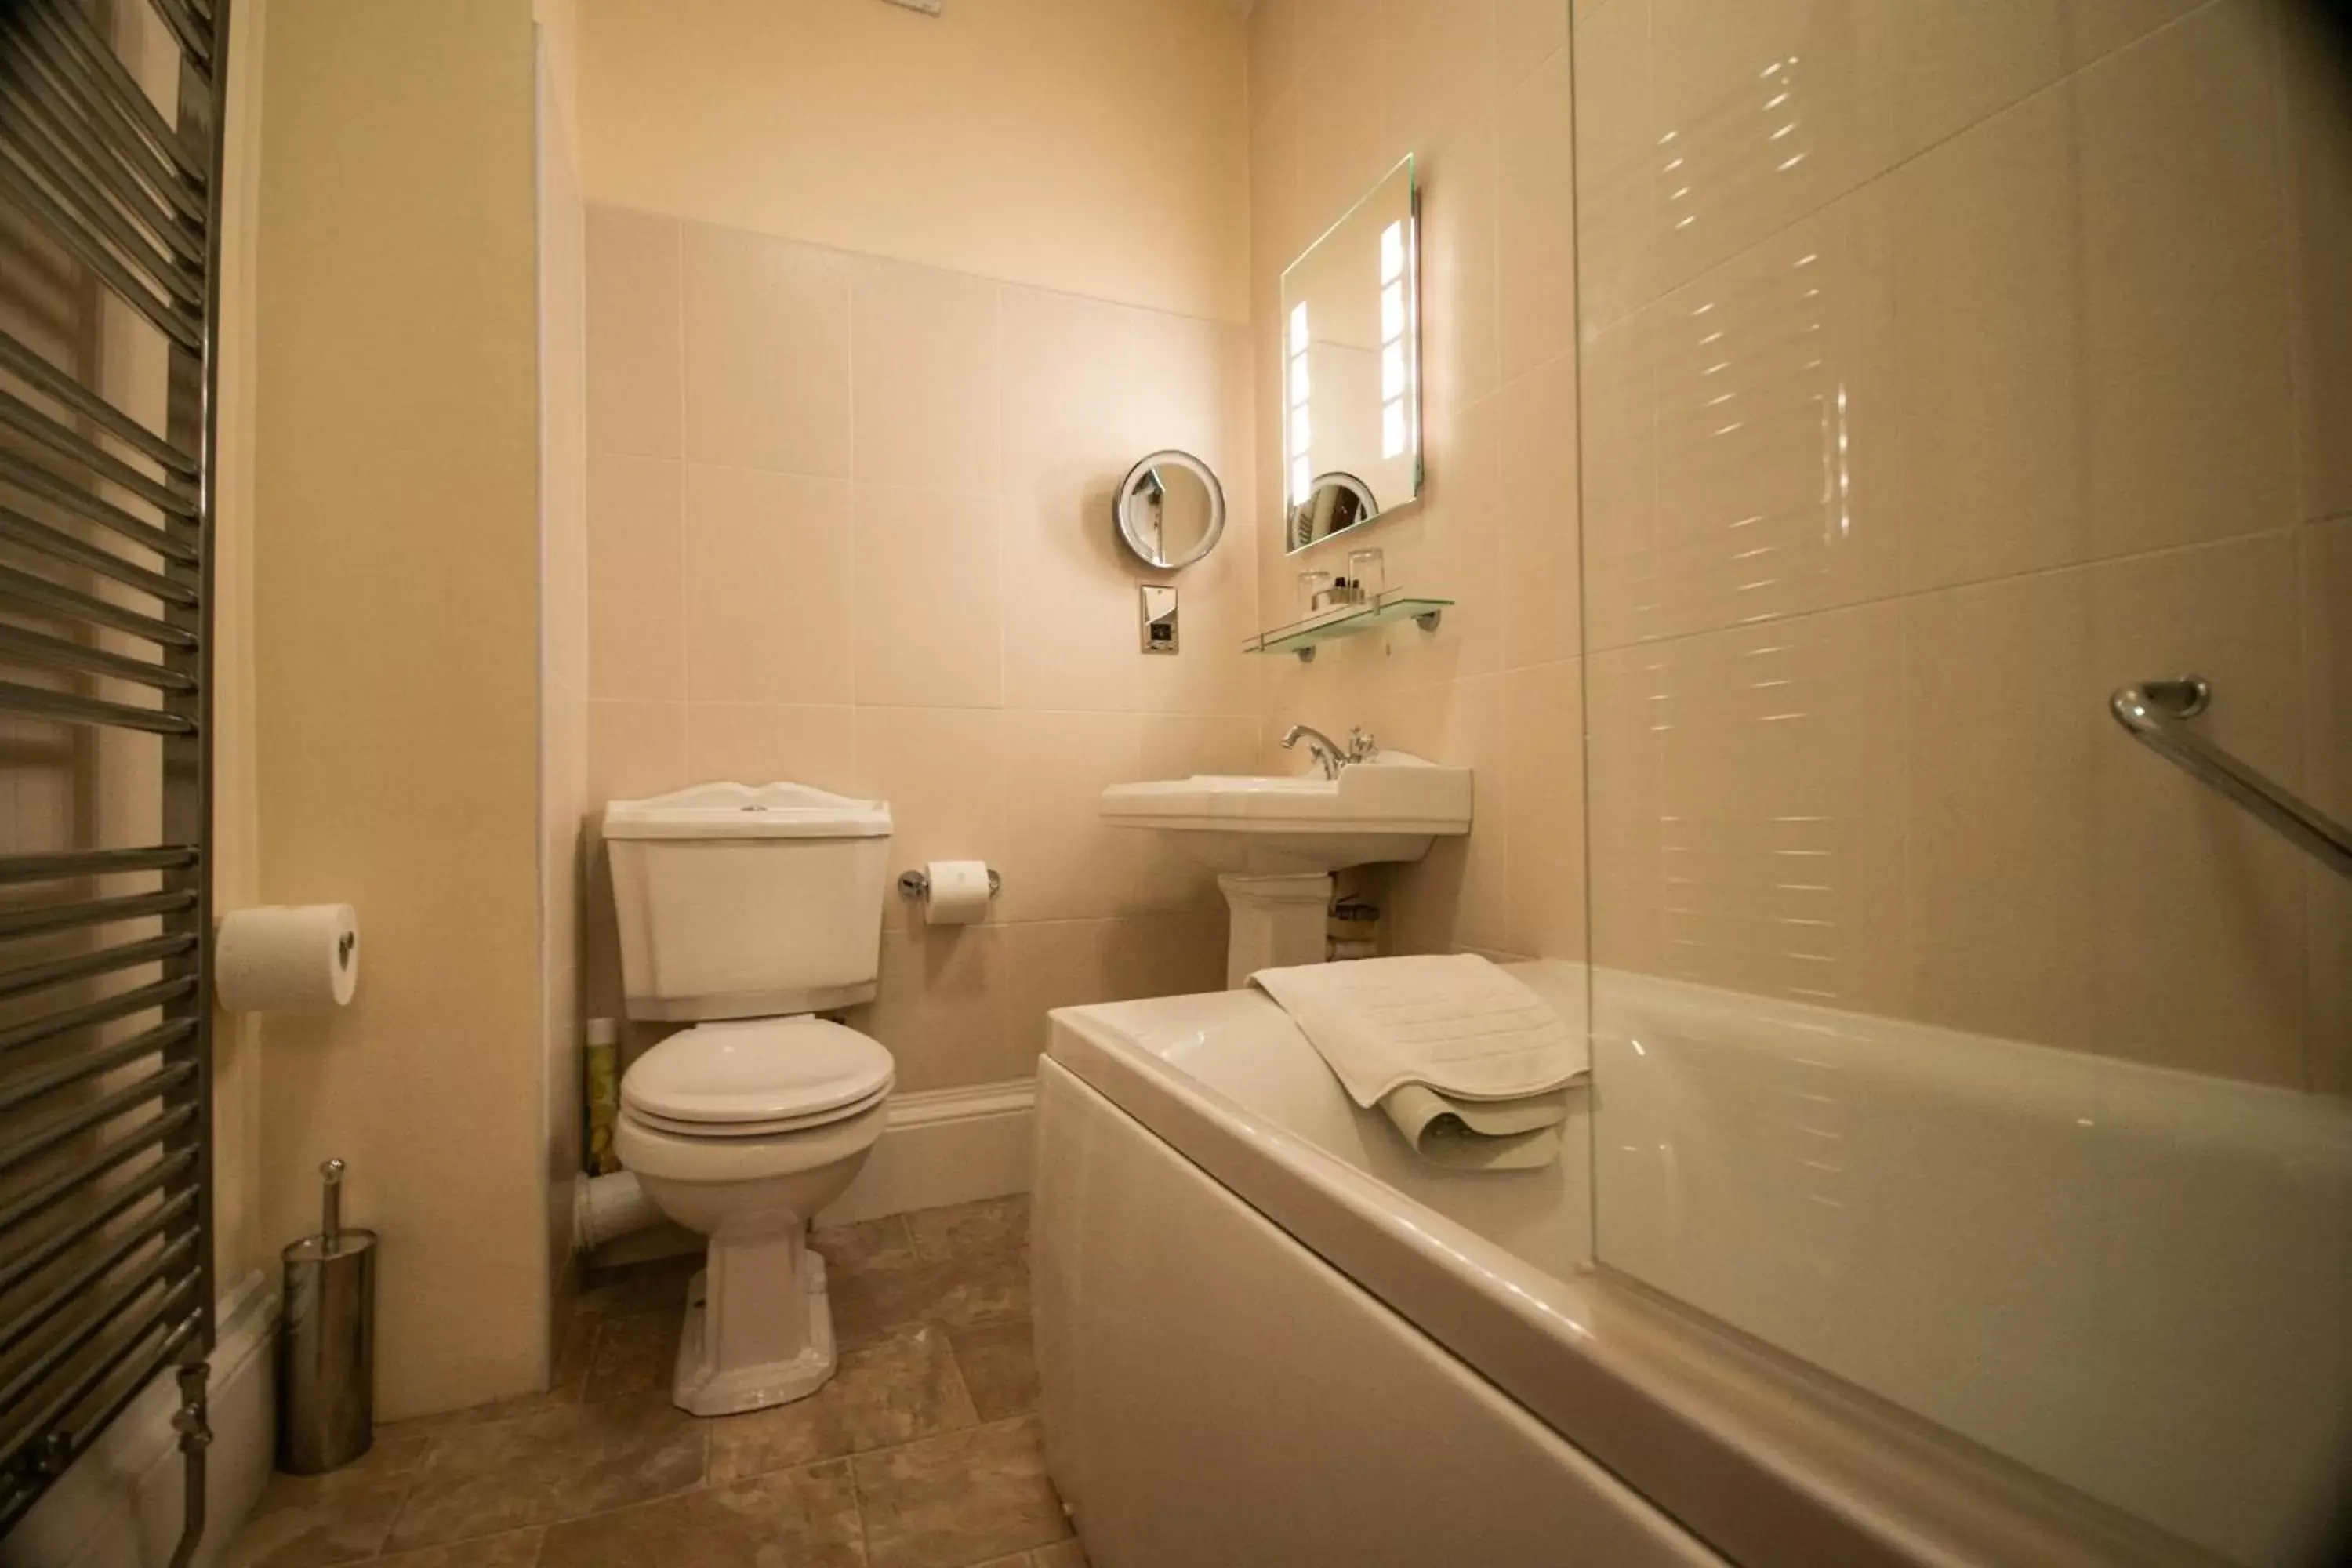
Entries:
{"x":286,"y":955}
{"x":958,"y":892}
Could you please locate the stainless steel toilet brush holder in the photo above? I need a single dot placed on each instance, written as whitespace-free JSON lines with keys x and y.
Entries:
{"x":326,"y":1343}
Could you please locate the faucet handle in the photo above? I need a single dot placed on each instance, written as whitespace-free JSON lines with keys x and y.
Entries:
{"x":1361,"y":747}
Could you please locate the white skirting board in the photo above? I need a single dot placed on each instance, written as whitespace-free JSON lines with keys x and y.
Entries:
{"x":945,"y":1146}
{"x":118,"y":1507}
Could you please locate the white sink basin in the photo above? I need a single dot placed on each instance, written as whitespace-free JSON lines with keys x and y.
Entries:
{"x":1387,"y":808}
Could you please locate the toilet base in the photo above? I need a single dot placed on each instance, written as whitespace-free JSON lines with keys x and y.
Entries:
{"x":700,"y":1389}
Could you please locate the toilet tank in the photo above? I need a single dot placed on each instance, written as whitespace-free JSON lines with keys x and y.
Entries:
{"x":743,"y":902}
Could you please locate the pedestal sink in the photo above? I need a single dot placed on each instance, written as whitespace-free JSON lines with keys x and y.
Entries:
{"x":1274,"y":842}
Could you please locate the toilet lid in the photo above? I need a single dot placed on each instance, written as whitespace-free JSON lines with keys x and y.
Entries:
{"x":758,"y":1129}
{"x":761,"y":1070}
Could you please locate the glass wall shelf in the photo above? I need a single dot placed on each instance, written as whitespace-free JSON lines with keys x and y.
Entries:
{"x":1302,"y":638}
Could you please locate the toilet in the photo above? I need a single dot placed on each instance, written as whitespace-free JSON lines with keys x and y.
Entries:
{"x":746,"y":912}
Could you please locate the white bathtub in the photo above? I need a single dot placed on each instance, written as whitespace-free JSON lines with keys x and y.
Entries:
{"x":1270,"y":1336}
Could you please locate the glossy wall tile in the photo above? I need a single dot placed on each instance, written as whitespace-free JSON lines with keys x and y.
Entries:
{"x":1943,"y":368}
{"x":1479,"y":92}
{"x":849,"y":524}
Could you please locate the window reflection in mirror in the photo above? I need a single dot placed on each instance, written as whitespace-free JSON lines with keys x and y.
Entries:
{"x":1351,"y":367}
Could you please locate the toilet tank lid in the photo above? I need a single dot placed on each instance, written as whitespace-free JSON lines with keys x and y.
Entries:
{"x":744,"y":811}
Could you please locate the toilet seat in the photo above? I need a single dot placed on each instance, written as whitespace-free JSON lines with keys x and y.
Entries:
{"x":678,"y":1128}
{"x":660,"y":1156}
{"x":757,"y":1076}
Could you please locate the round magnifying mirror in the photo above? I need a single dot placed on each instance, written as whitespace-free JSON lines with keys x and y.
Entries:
{"x":1337,"y":503}
{"x":1172,"y":510}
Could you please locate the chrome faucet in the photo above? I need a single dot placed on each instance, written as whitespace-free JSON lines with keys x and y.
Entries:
{"x":1328,"y":755}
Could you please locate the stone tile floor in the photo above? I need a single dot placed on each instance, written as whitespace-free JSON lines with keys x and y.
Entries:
{"x":923,"y":1452}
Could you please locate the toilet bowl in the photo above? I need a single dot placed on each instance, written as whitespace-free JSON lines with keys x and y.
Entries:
{"x":742,"y":1131}
{"x":751,"y":910}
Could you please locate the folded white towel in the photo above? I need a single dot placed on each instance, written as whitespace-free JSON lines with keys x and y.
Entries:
{"x":1456,"y":1025}
{"x":1478,"y":1135}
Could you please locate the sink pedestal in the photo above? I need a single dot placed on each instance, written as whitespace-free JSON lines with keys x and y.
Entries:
{"x":1276,"y":922}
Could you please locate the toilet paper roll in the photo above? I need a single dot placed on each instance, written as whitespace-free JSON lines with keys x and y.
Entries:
{"x":958,"y":892}
{"x":286,"y":955}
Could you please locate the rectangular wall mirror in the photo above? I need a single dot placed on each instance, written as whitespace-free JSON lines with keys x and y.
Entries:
{"x":1351,"y":367}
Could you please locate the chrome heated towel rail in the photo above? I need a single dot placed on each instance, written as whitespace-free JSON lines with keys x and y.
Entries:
{"x":109,"y":148}
{"x":2153,"y":713}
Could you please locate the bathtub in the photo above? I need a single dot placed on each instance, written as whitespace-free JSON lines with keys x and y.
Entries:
{"x":1269,"y":1336}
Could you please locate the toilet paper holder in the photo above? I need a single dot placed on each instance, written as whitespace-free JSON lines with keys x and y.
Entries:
{"x":917,"y":884}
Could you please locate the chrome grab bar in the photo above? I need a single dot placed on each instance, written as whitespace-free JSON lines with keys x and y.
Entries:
{"x":2153,"y":711}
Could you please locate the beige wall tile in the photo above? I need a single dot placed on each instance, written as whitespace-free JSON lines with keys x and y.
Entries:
{"x":1535,"y":209}
{"x":1062,"y":861}
{"x":2192,"y":434}
{"x":1527,"y":34}
{"x":849,"y":635}
{"x":1071,"y":625}
{"x":942,"y":770}
{"x":767,"y":587}
{"x":1340,"y":155}
{"x":1056,"y":964}
{"x":635,"y":393}
{"x":767,"y":353}
{"x":1624,"y":697}
{"x":1543,"y":782}
{"x":1746,"y":794}
{"x":1619,"y":161}
{"x":2318,"y":137}
{"x":1988,"y":281}
{"x":2096,"y":27}
{"x":2327,"y":695}
{"x":1457,"y":896}
{"x":1170,"y":954}
{"x":1618,"y":512}
{"x":1068,"y":379}
{"x":1186,"y":372}
{"x":1071,"y":614}
{"x":634,"y":750}
{"x":1958,"y":61}
{"x":1418,"y":691}
{"x":1774,"y":109}
{"x":926,"y":607}
{"x":758,"y":743}
{"x":1451,"y":548}
{"x":1278,"y":230}
{"x":636,"y":633}
{"x":1775,"y":457}
{"x":2199,"y":909}
{"x":1218,"y":605}
{"x":940,"y":1006}
{"x":1072,"y":963}
{"x":1459,"y":355}
{"x":925,"y":376}
{"x":1176,"y":746}
{"x":1437,"y":68}
{"x":1540,"y":564}
{"x":1273,"y":54}
{"x":2000,"y":737}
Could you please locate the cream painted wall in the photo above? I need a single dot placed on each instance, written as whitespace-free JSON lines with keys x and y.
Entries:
{"x":1477,"y":90}
{"x":241,"y":1245}
{"x":396,"y":574}
{"x":1097,"y":147}
{"x":563,"y":627}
